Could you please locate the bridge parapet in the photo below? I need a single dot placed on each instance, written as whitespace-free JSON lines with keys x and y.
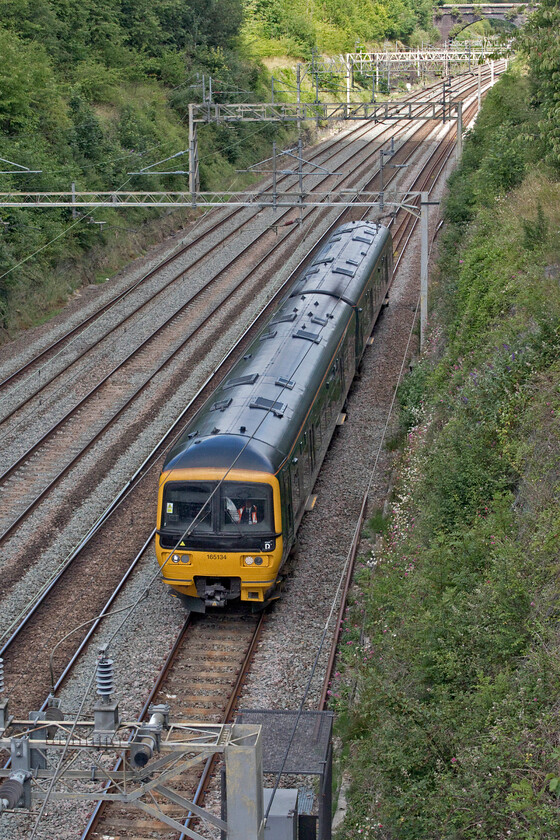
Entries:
{"x":449,"y":14}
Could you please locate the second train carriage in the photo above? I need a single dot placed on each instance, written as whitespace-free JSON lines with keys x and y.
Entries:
{"x":233,"y":489}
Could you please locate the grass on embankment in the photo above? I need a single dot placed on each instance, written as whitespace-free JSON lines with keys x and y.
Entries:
{"x":452,"y":731}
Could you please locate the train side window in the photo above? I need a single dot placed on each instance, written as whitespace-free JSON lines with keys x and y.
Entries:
{"x":324,"y":416}
{"x":348,"y":358}
{"x":296,"y":490}
{"x":318,"y":432}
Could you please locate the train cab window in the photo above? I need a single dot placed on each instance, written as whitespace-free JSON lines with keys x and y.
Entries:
{"x":187,"y":504}
{"x":244,"y":506}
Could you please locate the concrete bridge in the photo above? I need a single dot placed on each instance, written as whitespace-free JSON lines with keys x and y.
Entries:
{"x":449,"y":15}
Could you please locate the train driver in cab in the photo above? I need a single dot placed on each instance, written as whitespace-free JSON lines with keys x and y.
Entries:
{"x":241,"y":512}
{"x":247,"y":513}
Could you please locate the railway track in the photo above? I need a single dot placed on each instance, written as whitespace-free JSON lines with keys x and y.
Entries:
{"x":37,"y":470}
{"x":104,"y":543}
{"x":86,"y":558}
{"x":201,"y":680}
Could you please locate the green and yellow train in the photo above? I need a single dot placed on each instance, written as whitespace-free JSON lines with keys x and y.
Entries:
{"x":234,"y":488}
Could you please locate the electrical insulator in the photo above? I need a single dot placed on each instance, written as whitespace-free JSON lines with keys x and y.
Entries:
{"x":105,"y":684}
{"x":12,"y":790}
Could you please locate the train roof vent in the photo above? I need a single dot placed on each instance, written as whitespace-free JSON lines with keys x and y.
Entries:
{"x":249,"y":379}
{"x":290,"y":316}
{"x":285,"y":383}
{"x":221,"y":405}
{"x":353,"y":262}
{"x":338,"y":269}
{"x":321,"y":260}
{"x":266,"y":335}
{"x":316,"y":319}
{"x":362,"y":239}
{"x":315,"y":337}
{"x":370,"y":231}
{"x":269,"y":334}
{"x":335,"y":238}
{"x":347,"y":230}
{"x":277,"y":408}
{"x":310,"y":271}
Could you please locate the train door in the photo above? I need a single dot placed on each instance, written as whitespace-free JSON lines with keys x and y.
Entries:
{"x":350,"y":355}
{"x":369,"y":305}
{"x":379,"y":284}
{"x":288,"y":525}
{"x":296,"y":486}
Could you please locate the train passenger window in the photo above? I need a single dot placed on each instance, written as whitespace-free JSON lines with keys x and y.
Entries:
{"x":296,"y":490}
{"x":187,"y":504}
{"x":244,"y":506}
{"x":318,"y":432}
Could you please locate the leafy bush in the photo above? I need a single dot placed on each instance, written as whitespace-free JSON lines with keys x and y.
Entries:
{"x":444,"y":689}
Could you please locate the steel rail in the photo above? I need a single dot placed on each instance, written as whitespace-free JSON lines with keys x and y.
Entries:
{"x":148,"y":462}
{"x":406,"y":230}
{"x":34,"y":448}
{"x":267,"y":184}
{"x":227,"y":715}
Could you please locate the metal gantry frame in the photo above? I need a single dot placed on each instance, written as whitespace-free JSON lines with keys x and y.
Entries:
{"x":156,"y":752}
{"x":210,"y":112}
{"x":373,"y":63}
{"x":219,"y":112}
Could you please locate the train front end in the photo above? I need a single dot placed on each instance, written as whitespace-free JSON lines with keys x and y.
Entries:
{"x":219,"y":536}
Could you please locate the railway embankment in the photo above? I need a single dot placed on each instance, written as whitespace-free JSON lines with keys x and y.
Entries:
{"x":448,"y":679}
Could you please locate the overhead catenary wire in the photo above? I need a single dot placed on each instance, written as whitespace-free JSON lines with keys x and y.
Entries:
{"x":130,"y":608}
{"x":139,"y":475}
{"x":67,"y":230}
{"x":133,"y":606}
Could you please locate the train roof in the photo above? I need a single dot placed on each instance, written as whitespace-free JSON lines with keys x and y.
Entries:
{"x":253,"y":418}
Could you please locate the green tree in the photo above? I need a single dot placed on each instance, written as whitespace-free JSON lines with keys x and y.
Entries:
{"x":541,"y":44}
{"x":27,"y":86}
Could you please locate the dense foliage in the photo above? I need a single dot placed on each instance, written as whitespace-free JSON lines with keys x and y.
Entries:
{"x":92,"y":91}
{"x":278,"y":27}
{"x":541,"y":44}
{"x":453,"y":639}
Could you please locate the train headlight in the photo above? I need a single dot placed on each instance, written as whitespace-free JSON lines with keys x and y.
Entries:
{"x":256,"y":561}
{"x":175,"y":558}
{"x":185,"y":558}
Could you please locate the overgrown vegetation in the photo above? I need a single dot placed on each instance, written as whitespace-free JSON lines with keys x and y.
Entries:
{"x":452,"y":728}
{"x":91,"y":92}
{"x":278,"y":27}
